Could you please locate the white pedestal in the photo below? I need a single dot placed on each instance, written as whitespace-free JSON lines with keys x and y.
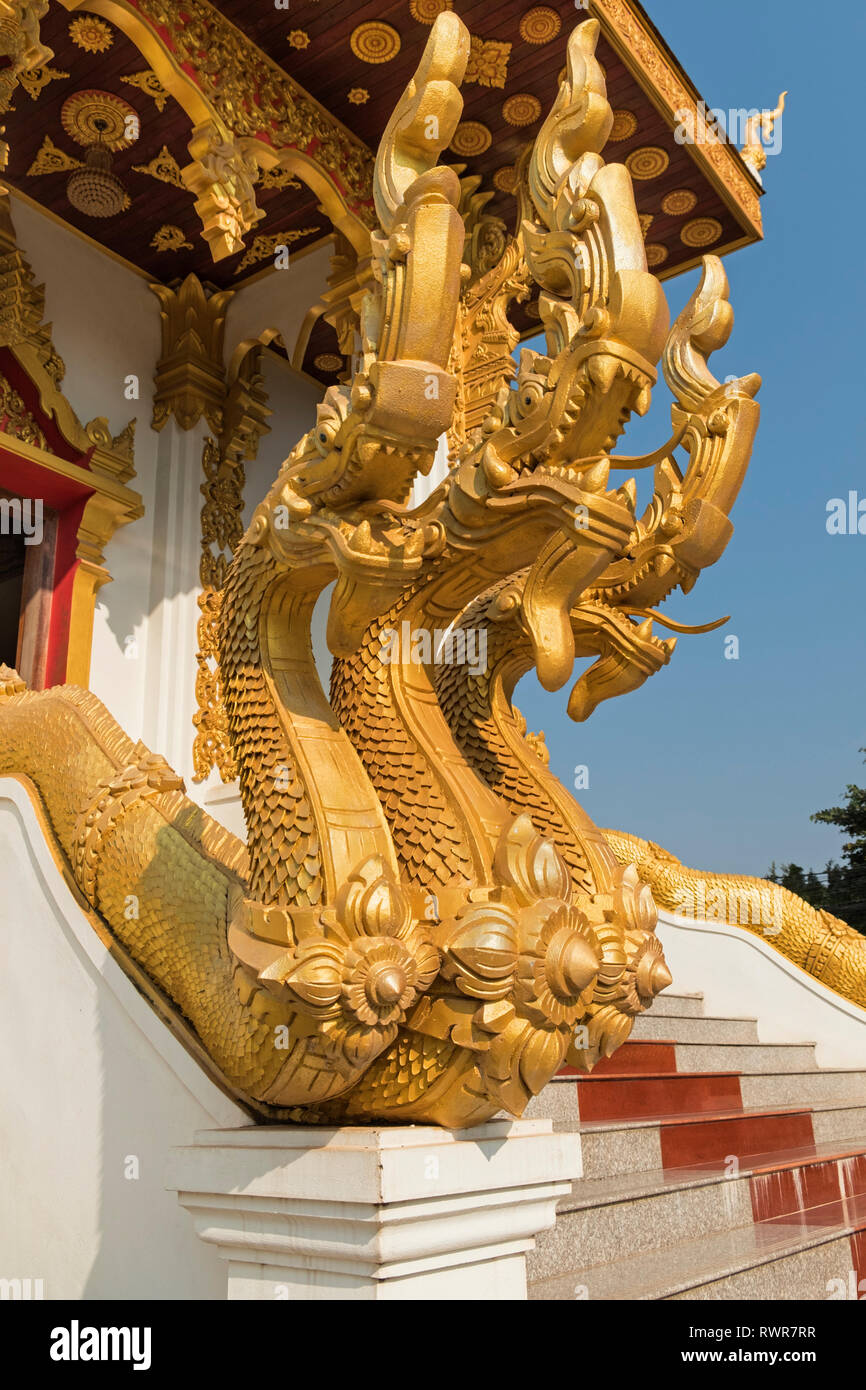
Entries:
{"x":409,"y":1212}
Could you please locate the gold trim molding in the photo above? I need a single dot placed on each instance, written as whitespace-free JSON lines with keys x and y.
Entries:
{"x":629,"y":33}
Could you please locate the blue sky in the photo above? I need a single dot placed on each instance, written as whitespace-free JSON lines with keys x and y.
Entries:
{"x":723,"y":761}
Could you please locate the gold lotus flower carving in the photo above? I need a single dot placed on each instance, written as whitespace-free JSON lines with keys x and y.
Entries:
{"x":366,"y":968}
{"x":558,"y":969}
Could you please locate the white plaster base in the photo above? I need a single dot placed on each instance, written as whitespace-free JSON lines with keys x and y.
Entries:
{"x":409,"y":1212}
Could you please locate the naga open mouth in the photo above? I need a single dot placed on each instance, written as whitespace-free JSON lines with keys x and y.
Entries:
{"x":364,"y":466}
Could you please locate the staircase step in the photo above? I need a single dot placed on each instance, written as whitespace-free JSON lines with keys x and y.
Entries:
{"x":644,"y":1056}
{"x":784,"y":1189}
{"x":688,"y":1028}
{"x":695,"y":1125}
{"x":637,"y":1058}
{"x":647,"y":1096}
{"x":804,"y":1087}
{"x":640,"y":1211}
{"x":748,"y":1057}
{"x":633,"y":1146}
{"x":682,"y":1141}
{"x":779,"y":1259}
{"x":679,"y":1004}
{"x":834,"y":1122}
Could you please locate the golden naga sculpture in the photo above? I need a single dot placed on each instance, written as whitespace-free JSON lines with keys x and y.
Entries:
{"x":816,"y":941}
{"x":424,"y":923}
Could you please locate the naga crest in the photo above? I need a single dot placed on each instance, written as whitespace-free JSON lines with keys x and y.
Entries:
{"x":425,"y":924}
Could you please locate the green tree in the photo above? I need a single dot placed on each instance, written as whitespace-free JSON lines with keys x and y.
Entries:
{"x":840,"y":888}
{"x":852,"y":819}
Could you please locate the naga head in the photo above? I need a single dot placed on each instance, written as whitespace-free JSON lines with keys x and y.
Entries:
{"x":374,"y":436}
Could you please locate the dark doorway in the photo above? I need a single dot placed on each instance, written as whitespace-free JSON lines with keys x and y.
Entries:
{"x":13,"y":556}
{"x":26,"y":590}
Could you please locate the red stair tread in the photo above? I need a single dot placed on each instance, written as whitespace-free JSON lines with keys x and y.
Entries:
{"x":634,"y":1096}
{"x":638,"y":1058}
{"x":733,"y":1135}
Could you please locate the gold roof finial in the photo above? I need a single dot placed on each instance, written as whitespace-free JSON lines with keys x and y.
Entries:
{"x":759,"y":128}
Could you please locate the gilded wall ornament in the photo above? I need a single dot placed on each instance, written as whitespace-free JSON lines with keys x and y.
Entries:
{"x":521,"y":109}
{"x":222,"y":176}
{"x":279,"y":178}
{"x":52,"y":160}
{"x":26,"y":337}
{"x":170,"y":238}
{"x":358,"y":96}
{"x":91,"y":116}
{"x":646,"y":220}
{"x":540,"y":25}
{"x":189,"y":381}
{"x":298,"y":38}
{"x":265,"y":246}
{"x":648,"y":162}
{"x":624,"y":126}
{"x":36,"y":80}
{"x":375,"y":42}
{"x":16,"y":419}
{"x":149,"y":83}
{"x":204,"y":61}
{"x":481,"y":357}
{"x":656,"y":254}
{"x":679,"y":202}
{"x":164,"y":167}
{"x":91,"y":34}
{"x":701,"y":231}
{"x":471,"y":138}
{"x":244,"y":420}
{"x":488,"y":62}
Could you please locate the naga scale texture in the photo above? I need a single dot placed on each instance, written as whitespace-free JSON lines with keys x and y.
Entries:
{"x":815,"y":940}
{"x":424,"y":923}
